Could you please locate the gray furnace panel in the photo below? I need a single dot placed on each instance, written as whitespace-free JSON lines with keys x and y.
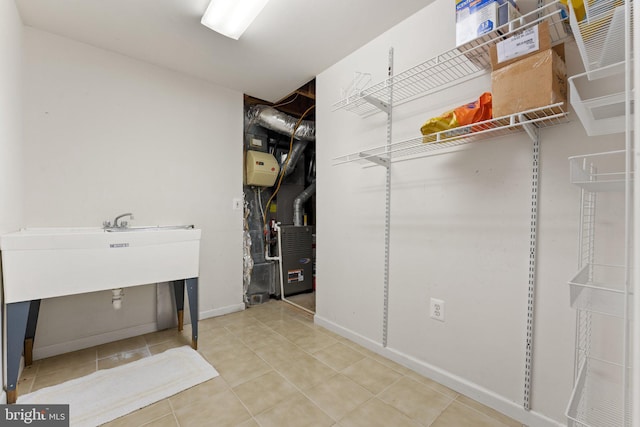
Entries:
{"x":297,"y":259}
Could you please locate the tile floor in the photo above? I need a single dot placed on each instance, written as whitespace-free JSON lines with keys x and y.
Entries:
{"x":277,"y":369}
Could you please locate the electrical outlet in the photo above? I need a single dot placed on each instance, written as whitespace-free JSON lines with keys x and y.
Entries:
{"x":437,"y":309}
{"x":237,"y":204}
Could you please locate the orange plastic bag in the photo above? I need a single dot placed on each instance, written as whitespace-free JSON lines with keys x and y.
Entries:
{"x":467,"y":114}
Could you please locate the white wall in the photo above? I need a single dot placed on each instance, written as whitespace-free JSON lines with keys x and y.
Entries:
{"x":10,"y":117}
{"x":105,"y":134}
{"x":460,"y":232}
{"x":10,"y":125}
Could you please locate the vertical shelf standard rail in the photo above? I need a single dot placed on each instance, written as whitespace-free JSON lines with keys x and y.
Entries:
{"x":387,"y":215}
{"x":533,"y":241}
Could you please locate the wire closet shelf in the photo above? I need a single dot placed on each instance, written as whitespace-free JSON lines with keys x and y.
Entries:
{"x":430,"y":144}
{"x":452,"y":67}
{"x":601,"y":395}
{"x":600,"y":38}
{"x":597,"y":399}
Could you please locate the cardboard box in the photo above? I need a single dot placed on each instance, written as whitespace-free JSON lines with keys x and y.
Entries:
{"x":535,"y":81}
{"x":475,"y":18}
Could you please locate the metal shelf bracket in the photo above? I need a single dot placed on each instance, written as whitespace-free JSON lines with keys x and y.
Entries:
{"x":529,"y":128}
{"x":381,"y":105}
{"x":382,"y":161}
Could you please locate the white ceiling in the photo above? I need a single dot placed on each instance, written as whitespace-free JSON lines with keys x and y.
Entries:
{"x":289,"y":43}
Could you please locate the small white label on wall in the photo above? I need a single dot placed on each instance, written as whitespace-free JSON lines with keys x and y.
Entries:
{"x":237,"y":204}
{"x":118,"y":245}
{"x":518,"y":45}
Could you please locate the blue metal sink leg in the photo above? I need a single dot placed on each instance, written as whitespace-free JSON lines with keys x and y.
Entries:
{"x":17,"y":316}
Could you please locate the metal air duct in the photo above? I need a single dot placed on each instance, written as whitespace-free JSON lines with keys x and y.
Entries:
{"x":277,"y":121}
{"x":299,"y":201}
{"x":280,"y":122}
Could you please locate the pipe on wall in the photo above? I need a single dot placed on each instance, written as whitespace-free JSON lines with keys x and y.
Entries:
{"x":292,"y":158}
{"x":299,"y":201}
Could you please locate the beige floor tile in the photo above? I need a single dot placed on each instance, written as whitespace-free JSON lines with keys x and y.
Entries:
{"x":372,"y":375}
{"x":207,"y":324}
{"x":391,"y":364}
{"x":290,"y":328}
{"x":357,"y":347}
{"x":327,"y":332}
{"x":162,"y":336}
{"x":510,"y":422}
{"x":175,"y":342}
{"x":282,"y":354}
{"x":338,"y":356}
{"x":299,"y":313}
{"x":62,"y":361}
{"x":166,"y":421}
{"x":109,"y":349}
{"x":285,"y":370}
{"x":266,"y":316}
{"x":265,"y":340}
{"x":212,"y":335}
{"x":306,"y":372}
{"x":297,"y":411}
{"x":225,"y":351}
{"x":417,"y":401}
{"x":376,"y":413}
{"x":64,"y":374}
{"x":251,"y":422}
{"x":144,"y":416}
{"x":200,"y":394}
{"x":313,"y":341}
{"x":338,"y":396}
{"x":123,"y":358}
{"x":459,"y":415}
{"x":264,"y":392}
{"x":234,"y":319}
{"x":275,"y":321}
{"x":241,"y":369}
{"x":434,"y":385}
{"x":221,"y":410}
{"x":246,"y":330}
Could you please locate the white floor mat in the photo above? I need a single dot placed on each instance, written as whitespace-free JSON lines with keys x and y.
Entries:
{"x":111,"y":393}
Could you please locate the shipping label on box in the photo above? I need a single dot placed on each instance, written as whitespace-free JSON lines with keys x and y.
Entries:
{"x":527,"y":42}
{"x":521,"y":44}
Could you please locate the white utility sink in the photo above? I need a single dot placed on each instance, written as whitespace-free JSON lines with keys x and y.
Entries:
{"x":42,"y":263}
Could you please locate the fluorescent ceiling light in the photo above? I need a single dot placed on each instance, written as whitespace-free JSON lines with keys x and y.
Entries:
{"x":232,"y":17}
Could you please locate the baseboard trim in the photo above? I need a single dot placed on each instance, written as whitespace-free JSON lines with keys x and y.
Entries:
{"x":221,"y":311}
{"x":91,"y":341}
{"x":454,"y":382}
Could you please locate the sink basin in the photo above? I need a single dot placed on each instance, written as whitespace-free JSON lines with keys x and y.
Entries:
{"x":49,"y":262}
{"x":148,"y":228}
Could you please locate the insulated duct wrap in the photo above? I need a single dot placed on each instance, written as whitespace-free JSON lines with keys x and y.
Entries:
{"x":280,"y":122}
{"x":246,"y":255}
{"x":296,"y":152}
{"x":299,"y":201}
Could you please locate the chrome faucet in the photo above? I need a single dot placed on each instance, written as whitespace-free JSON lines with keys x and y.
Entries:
{"x":117,"y":224}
